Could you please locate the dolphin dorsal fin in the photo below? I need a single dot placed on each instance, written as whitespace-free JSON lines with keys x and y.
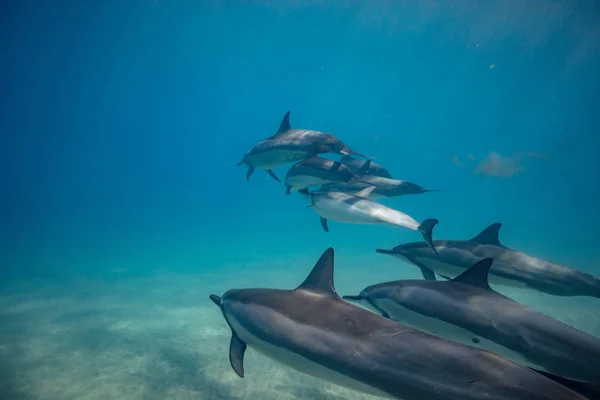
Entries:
{"x":320,"y":279}
{"x":489,"y":235}
{"x":366,"y":192}
{"x":477,"y":274}
{"x":285,"y":123}
{"x":366,"y":167}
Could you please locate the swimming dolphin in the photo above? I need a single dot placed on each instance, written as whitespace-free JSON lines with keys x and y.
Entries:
{"x":312,"y":330}
{"x":359,"y":209}
{"x":316,"y":171}
{"x":466,"y":310}
{"x":358,"y":167}
{"x":289,"y":145}
{"x":384,"y":187}
{"x":511,"y":267}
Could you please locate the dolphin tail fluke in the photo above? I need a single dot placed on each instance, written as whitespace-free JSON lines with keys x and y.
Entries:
{"x":426,"y":229}
{"x":249,"y":172}
{"x":272,"y":175}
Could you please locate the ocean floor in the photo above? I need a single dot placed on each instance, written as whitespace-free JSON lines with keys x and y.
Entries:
{"x":160,"y":337}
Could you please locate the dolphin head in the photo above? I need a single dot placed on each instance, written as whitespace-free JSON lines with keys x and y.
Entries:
{"x":370,"y":296}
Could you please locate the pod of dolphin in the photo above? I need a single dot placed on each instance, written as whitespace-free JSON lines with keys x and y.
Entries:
{"x":410,"y":339}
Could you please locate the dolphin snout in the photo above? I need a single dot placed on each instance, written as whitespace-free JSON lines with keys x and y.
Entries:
{"x":215,"y":299}
{"x":384,"y":251}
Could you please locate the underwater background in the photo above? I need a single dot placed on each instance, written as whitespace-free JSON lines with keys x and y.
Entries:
{"x":122,"y":207}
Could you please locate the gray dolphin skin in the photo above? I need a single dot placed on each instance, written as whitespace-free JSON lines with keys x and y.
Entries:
{"x":316,"y":171}
{"x":359,"y":209}
{"x":511,"y":268}
{"x":384,"y":187}
{"x":312,"y":330}
{"x":466,"y":310}
{"x":358,"y":166}
{"x":289,"y":145}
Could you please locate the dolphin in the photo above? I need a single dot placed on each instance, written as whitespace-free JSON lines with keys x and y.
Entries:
{"x":316,"y":171}
{"x":384,"y":187}
{"x":358,"y":166}
{"x":511,"y":268}
{"x":359,"y":209}
{"x":312,"y":330}
{"x":289,"y":145}
{"x":466,"y":310}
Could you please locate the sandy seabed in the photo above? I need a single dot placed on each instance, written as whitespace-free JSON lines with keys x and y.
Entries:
{"x":161,"y":338}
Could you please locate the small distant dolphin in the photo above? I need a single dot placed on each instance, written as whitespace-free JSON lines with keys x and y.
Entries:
{"x":312,"y":330}
{"x":511,"y":268}
{"x":316,"y":171}
{"x":358,"y":167}
{"x":289,"y":145}
{"x":384,"y":187}
{"x":359,"y":209}
{"x":468,"y":311}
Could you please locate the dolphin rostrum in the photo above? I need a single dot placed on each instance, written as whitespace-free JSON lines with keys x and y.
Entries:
{"x":289,"y":145}
{"x":511,"y":267}
{"x":384,"y":187}
{"x":466,"y":310}
{"x":365,"y":167}
{"x":316,"y":171}
{"x":359,"y":209}
{"x":312,"y":330}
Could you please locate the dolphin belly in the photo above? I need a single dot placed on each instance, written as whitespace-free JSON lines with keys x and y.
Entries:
{"x":276,"y":157}
{"x":304,"y":181}
{"x":340,"y":211}
{"x":300,"y":363}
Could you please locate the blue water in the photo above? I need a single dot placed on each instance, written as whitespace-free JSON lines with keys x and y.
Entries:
{"x":122,"y":124}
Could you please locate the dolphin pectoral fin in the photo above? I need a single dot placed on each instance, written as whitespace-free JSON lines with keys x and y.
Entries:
{"x":428,"y":274}
{"x":426,"y":229}
{"x":272,"y":175}
{"x":366,"y":192}
{"x":446,"y":277}
{"x":240,"y":163}
{"x":249,"y":172}
{"x":304,"y":192}
{"x":588,"y":390}
{"x":288,"y":189}
{"x":237,"y":348}
{"x":324,"y":224}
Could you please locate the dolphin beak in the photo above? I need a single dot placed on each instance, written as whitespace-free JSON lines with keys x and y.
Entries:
{"x":215,"y":299}
{"x":384,"y":251}
{"x":352,"y":298}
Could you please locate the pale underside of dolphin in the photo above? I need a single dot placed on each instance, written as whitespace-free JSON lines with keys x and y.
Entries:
{"x":311,"y":329}
{"x":467,"y":310}
{"x":384,"y":187}
{"x":289,"y":145}
{"x":359,"y":209}
{"x":511,"y":267}
{"x":317,"y":171}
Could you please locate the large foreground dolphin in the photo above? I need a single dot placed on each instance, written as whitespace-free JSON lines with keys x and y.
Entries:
{"x":359,"y":209}
{"x":511,"y":267}
{"x":289,"y":145}
{"x":314,"y":331}
{"x":468,"y":311}
{"x":358,"y":167}
{"x":316,"y":171}
{"x":384,"y":187}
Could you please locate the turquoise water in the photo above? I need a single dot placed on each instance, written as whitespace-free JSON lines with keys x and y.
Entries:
{"x":123,"y":209}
